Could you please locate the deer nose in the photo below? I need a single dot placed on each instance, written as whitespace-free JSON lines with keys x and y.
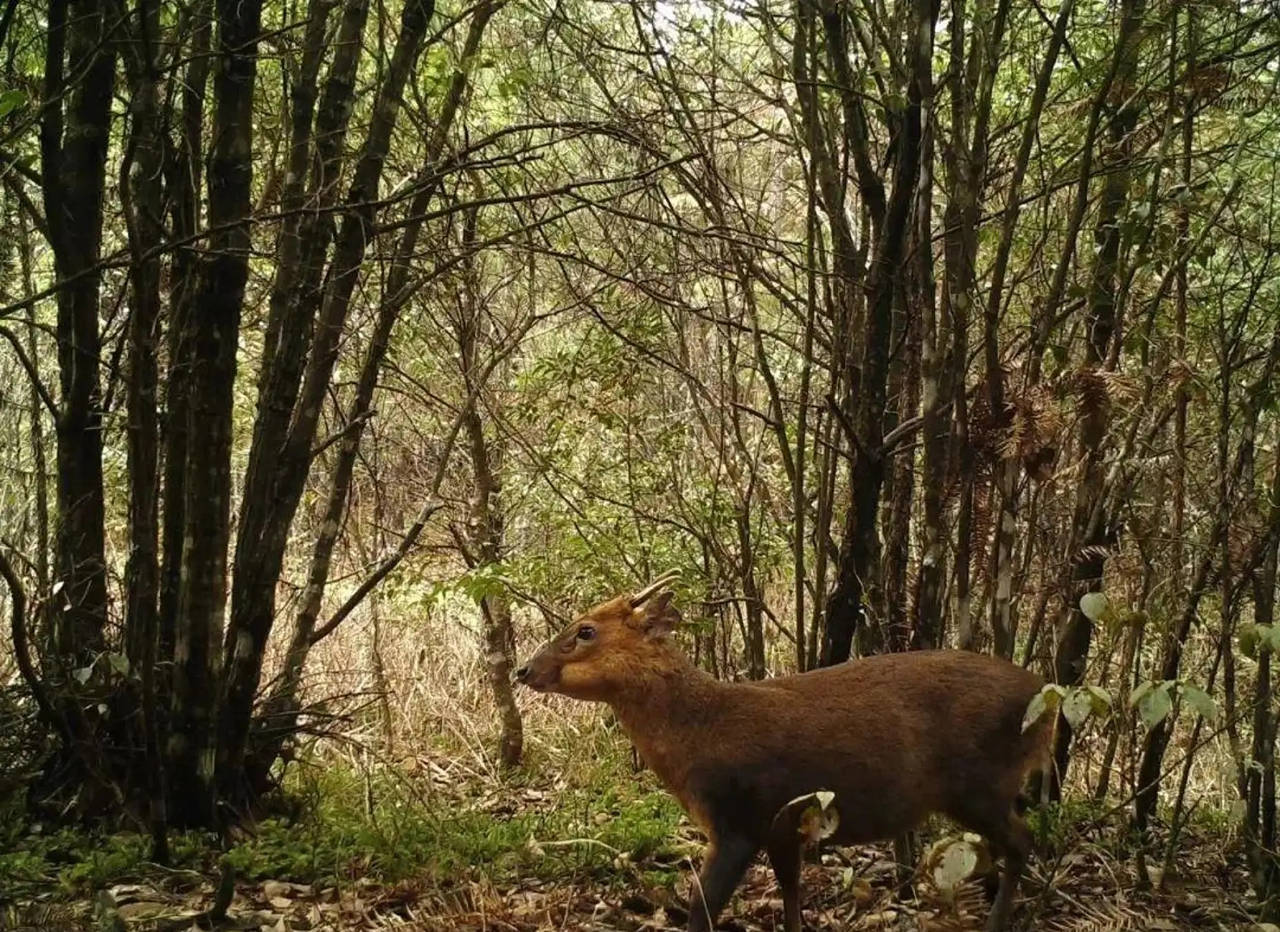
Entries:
{"x":522,"y":674}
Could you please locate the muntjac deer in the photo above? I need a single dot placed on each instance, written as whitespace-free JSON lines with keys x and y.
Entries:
{"x":894,"y":737}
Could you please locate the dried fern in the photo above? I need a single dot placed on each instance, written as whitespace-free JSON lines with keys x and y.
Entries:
{"x":1109,"y":916}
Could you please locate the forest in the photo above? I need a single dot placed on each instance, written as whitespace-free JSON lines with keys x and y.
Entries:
{"x":351,"y":350}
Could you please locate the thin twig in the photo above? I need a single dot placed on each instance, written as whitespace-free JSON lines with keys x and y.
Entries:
{"x":354,"y":424}
{"x":32,"y":373}
{"x":387,"y":565}
{"x":18,"y":632}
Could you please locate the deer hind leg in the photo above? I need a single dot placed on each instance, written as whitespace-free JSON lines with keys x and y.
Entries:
{"x":1000,"y":823}
{"x":726,"y":861}
{"x":1017,"y":847}
{"x":1010,"y":837}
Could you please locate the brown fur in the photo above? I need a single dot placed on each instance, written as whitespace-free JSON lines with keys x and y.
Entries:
{"x":895,"y":737}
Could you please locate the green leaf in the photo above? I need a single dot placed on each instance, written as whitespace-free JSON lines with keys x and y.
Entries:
{"x":1238,"y":811}
{"x":1155,"y":706}
{"x":81,"y":674}
{"x":1250,"y":639}
{"x":1100,"y":699}
{"x":1139,"y":691}
{"x":1035,"y":709}
{"x":1047,"y":700}
{"x":1077,"y":707}
{"x":1200,"y":700}
{"x":10,"y":101}
{"x":1094,"y":605}
{"x":119,"y":663}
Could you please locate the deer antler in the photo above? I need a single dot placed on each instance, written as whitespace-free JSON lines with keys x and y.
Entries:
{"x":647,"y":592}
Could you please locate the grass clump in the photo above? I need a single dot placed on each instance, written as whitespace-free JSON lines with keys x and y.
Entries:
{"x":374,"y":826}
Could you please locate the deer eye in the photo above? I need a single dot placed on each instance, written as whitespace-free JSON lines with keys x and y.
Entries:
{"x":586,"y":633}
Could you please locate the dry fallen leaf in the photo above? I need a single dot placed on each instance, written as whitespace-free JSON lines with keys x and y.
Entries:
{"x":273,"y":888}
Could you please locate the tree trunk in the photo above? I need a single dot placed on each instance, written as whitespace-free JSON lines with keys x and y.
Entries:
{"x":1183,"y":227}
{"x":857,"y":582}
{"x":143,"y":197}
{"x":1002,"y":624}
{"x":183,"y":177}
{"x":752,"y":601}
{"x":296,"y":291}
{"x":73,"y":174}
{"x":277,"y":475}
{"x":935,"y":390}
{"x":40,"y":481}
{"x":486,"y":521}
{"x":900,"y":497}
{"x":396,"y":293}
{"x":214,"y":337}
{"x":1093,"y":533}
{"x":1261,"y":799}
{"x":1147,"y":797}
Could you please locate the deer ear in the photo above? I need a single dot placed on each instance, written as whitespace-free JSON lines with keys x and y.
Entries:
{"x":659,"y":617}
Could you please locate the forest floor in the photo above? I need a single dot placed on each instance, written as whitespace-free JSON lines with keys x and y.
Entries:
{"x":1091,"y":900}
{"x":430,"y":849}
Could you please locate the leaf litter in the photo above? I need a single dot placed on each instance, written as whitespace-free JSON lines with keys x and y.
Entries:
{"x":851,"y":889}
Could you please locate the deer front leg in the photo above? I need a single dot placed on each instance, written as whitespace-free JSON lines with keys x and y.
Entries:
{"x":726,"y":861}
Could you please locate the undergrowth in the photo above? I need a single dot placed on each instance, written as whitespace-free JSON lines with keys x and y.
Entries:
{"x":384,"y":827}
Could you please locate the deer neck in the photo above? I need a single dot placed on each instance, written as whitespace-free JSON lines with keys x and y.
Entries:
{"x":667,"y":714}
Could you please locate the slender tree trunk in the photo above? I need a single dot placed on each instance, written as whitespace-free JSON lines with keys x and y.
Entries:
{"x":935,"y":392}
{"x":799,"y":500}
{"x":297,"y":289}
{"x":143,"y":194}
{"x":841,"y":609}
{"x":1002,"y":558}
{"x":857,"y":582}
{"x":1007,"y":472}
{"x":486,"y":521}
{"x":486,"y":525}
{"x":277,"y":481}
{"x":397,"y":291}
{"x":144,"y":201}
{"x":183,"y":176}
{"x":214,"y":329}
{"x":1261,"y":799}
{"x":971,"y":99}
{"x":827,"y":470}
{"x":1092,"y":526}
{"x":40,"y":479}
{"x":73,"y":175}
{"x":1183,"y":227}
{"x":898,"y":518}
{"x":752,"y":599}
